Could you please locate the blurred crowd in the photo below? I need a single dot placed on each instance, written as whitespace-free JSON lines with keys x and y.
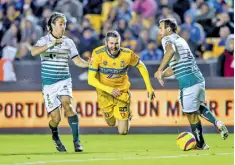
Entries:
{"x":207,"y":26}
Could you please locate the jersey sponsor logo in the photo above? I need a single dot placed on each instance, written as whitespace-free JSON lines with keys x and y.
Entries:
{"x":112,"y":70}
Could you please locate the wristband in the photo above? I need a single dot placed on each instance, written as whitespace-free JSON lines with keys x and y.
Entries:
{"x":49,"y":46}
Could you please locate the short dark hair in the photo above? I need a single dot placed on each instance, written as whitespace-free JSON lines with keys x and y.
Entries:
{"x":112,"y":33}
{"x":169,"y":22}
{"x":53,"y":18}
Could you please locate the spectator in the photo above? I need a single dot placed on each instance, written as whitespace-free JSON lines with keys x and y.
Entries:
{"x":122,"y":25}
{"x":162,"y":3}
{"x":71,"y":8}
{"x":226,"y":60}
{"x":219,"y":47}
{"x":49,"y":3}
{"x":10,"y":38}
{"x":168,"y":13}
{"x":12,"y":15}
{"x":185,"y":34}
{"x":87,"y":43}
{"x":121,"y":10}
{"x":44,"y":18}
{"x":180,"y":6}
{"x":205,"y":16}
{"x":92,"y":7}
{"x":74,"y":31}
{"x":142,"y":41}
{"x":106,"y":27}
{"x":85,"y":24}
{"x":222,"y":19}
{"x":147,"y":8}
{"x":224,"y":33}
{"x":137,"y":25}
{"x":30,"y":4}
{"x":7,"y":72}
{"x":197,"y":34}
{"x":152,"y":52}
{"x":30,"y":33}
{"x":129,"y":41}
{"x":153,"y":28}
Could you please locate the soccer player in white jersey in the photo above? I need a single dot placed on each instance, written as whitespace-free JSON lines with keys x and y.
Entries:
{"x":181,"y":64}
{"x":55,"y":49}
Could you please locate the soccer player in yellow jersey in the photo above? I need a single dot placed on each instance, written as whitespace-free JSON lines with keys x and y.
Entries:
{"x":108,"y":74}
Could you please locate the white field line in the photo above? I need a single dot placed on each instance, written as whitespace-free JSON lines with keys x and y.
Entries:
{"x":115,"y":159}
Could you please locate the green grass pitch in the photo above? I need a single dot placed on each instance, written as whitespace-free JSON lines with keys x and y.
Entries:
{"x":155,"y":149}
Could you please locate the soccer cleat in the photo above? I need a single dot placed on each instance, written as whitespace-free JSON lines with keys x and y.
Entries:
{"x":204,"y":147}
{"x":59,"y":146}
{"x":77,"y":146}
{"x":222,"y":129}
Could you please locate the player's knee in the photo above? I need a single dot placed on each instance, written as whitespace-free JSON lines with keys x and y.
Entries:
{"x":111,"y":123}
{"x":193,"y":117}
{"x":67,"y":105}
{"x":56,"y":120}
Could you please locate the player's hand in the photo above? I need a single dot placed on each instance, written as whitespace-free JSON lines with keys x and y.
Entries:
{"x":158,"y":75}
{"x":116,"y":92}
{"x":151,"y":95}
{"x":57,"y":42}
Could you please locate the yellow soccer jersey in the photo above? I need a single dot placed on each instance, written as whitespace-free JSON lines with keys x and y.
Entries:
{"x":112,"y":71}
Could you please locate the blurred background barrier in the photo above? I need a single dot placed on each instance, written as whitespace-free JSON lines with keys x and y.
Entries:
{"x":22,"y":110}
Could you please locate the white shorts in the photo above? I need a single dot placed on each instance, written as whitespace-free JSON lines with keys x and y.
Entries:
{"x":52,"y":92}
{"x":191,"y":97}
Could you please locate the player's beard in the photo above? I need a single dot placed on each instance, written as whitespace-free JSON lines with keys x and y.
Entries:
{"x":113,"y":51}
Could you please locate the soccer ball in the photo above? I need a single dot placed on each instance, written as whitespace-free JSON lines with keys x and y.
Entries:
{"x":186,"y":141}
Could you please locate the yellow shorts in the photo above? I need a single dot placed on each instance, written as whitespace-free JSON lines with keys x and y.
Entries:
{"x":111,"y":106}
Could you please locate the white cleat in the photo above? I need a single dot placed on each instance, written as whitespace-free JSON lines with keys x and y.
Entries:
{"x":222,"y":129}
{"x":204,"y":147}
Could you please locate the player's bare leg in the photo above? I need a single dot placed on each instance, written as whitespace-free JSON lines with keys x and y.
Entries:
{"x":123,"y":127}
{"x":111,"y":121}
{"x":73,"y":121}
{"x":53,"y":124}
{"x":196,"y":127}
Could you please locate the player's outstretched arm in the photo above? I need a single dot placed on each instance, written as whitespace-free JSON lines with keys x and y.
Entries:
{"x":36,"y":50}
{"x":80,"y":62}
{"x":144,"y":73}
{"x":93,"y":81}
{"x":167,"y":57}
{"x":159,"y":75}
{"x":167,"y":72}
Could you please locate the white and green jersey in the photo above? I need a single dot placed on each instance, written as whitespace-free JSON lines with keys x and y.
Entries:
{"x":55,"y":60}
{"x":183,"y":63}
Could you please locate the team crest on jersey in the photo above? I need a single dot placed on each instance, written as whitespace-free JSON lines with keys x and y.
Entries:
{"x":122,"y":63}
{"x":52,"y":56}
{"x":105,"y":63}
